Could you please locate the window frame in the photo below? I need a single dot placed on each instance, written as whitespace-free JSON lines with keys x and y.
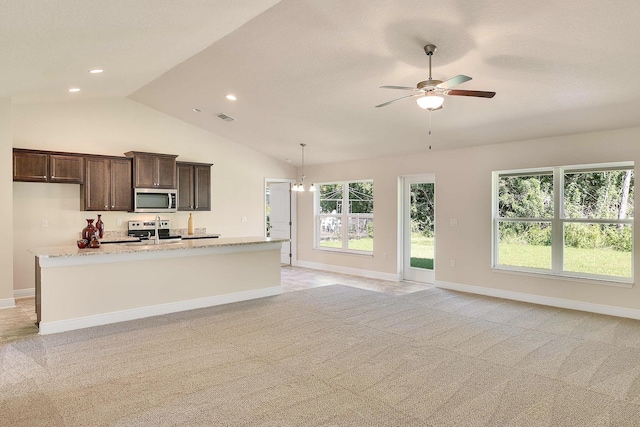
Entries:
{"x":558,"y":222}
{"x":344,"y":218}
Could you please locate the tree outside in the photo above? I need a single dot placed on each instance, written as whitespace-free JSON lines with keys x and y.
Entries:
{"x":589,"y":247}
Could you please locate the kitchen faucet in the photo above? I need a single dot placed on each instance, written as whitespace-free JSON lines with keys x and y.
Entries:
{"x":157,"y":226}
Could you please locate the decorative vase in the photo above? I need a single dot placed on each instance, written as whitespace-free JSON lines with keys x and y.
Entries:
{"x":100,"y":227}
{"x":190,"y":225}
{"x":89,"y":231}
{"x":94,"y":243}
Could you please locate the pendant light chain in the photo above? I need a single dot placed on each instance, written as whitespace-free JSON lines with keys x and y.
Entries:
{"x":299,"y":186}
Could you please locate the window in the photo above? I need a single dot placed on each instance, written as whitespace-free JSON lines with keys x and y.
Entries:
{"x":569,"y":221}
{"x":344,"y":216}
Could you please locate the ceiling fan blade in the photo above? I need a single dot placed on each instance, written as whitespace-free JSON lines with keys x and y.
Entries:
{"x":453,"y":81}
{"x":476,"y":93}
{"x":398,"y":87}
{"x":398,"y":99}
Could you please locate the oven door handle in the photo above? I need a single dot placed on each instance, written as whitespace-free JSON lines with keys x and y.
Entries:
{"x":170,"y":204}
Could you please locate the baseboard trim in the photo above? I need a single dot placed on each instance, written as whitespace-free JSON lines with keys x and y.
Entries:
{"x":24,"y":293}
{"x":7,"y":302}
{"x":542,"y":300}
{"x":156,"y":310}
{"x":348,"y":270}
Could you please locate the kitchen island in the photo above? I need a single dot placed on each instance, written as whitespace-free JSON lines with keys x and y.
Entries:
{"x":79,"y":288}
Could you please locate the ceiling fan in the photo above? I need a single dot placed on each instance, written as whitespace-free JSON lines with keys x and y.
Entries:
{"x":429,"y":92}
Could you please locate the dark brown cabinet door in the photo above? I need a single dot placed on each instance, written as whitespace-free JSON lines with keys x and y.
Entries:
{"x":185,"y":187}
{"x":120,"y":194}
{"x":67,"y":169}
{"x":151,"y":170}
{"x":30,"y":166}
{"x":202,"y":188}
{"x":46,"y":166}
{"x":96,"y":186}
{"x":145,"y":171}
{"x":166,"y":167}
{"x":194,"y":186}
{"x":107,"y":185}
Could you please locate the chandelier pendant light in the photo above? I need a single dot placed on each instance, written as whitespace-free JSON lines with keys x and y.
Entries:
{"x":299,"y":185}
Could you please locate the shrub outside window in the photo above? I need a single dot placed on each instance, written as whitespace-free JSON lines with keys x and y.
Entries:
{"x":344,"y":216}
{"x":572,"y":221}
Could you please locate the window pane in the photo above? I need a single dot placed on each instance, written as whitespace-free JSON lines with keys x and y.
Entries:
{"x":525,"y":196}
{"x":525,"y":244}
{"x":330,"y":235}
{"x":422,"y":225}
{"x":602,"y":195}
{"x":330,"y":198}
{"x":360,"y":234}
{"x":361,"y":197}
{"x":604,"y":249}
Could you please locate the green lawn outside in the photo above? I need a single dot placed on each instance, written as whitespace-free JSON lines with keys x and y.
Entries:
{"x":594,"y":261}
{"x":421,"y":249}
{"x":365,"y":244}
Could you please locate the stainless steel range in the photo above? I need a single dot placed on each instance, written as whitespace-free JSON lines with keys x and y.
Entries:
{"x":147,"y":229}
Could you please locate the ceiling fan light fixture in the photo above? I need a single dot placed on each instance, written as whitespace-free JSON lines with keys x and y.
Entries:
{"x":430,"y":101}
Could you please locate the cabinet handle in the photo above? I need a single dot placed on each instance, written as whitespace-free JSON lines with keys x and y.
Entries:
{"x":105,"y":206}
{"x":52,"y":176}
{"x":112,"y":206}
{"x":44,"y":176}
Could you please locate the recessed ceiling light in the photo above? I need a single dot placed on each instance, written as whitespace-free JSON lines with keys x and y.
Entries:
{"x":231,"y":97}
{"x":96,"y":71}
{"x":74,"y":89}
{"x":196,"y":110}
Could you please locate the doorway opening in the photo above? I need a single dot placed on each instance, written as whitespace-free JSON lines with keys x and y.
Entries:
{"x":279,"y":219}
{"x":418,"y":228}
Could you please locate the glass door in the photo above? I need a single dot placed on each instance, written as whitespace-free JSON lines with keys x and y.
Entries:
{"x":419,"y":233}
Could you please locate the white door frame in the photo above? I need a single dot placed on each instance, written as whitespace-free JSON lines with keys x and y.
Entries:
{"x":294,"y":221}
{"x":404,"y":239}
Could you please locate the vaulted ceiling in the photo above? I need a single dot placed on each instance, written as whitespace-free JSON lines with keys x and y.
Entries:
{"x":309,"y":71}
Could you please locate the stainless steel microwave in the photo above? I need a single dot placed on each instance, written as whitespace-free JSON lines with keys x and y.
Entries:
{"x":155,"y":200}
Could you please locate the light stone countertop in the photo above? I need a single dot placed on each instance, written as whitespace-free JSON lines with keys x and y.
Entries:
{"x":137,"y":247}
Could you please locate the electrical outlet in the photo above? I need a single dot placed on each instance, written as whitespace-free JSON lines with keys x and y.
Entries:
{"x":45,"y":223}
{"x":119,"y":221}
{"x":243,"y":219}
{"x":452,"y":263}
{"x":453,"y":222}
{"x":384,"y":255}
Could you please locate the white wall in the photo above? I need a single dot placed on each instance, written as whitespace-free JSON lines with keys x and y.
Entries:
{"x":463,"y":192}
{"x":113,"y":127}
{"x":6,"y":214}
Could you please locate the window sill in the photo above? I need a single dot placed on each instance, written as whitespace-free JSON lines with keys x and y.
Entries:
{"x":622,"y":283}
{"x":344,"y":252}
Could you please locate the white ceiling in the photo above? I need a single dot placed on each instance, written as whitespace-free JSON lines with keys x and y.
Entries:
{"x":309,"y":71}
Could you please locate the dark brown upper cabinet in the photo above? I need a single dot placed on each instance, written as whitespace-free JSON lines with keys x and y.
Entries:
{"x":43,"y":166}
{"x":194,"y":186}
{"x":108,"y":184}
{"x":152,"y":170}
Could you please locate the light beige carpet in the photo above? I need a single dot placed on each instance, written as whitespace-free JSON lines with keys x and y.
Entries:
{"x":333,"y":356}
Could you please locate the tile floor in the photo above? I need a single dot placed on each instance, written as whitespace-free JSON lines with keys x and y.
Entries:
{"x":19,"y":322}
